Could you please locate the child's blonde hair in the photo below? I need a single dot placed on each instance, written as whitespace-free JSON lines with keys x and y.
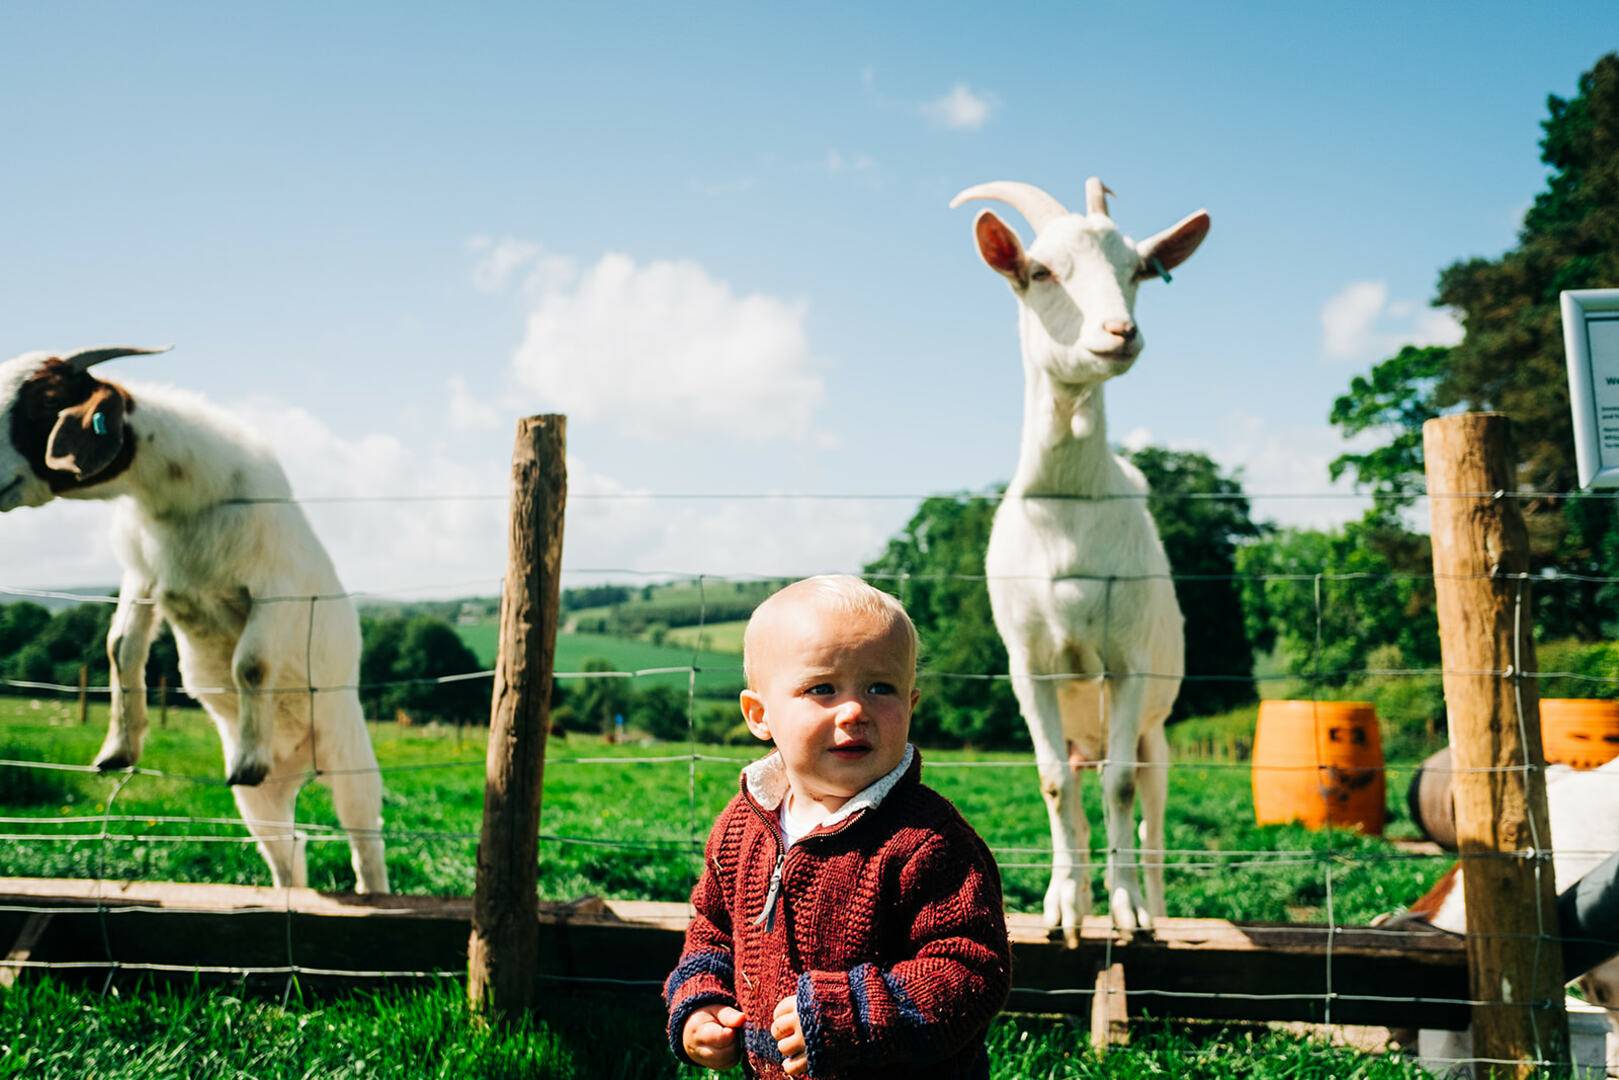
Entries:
{"x":844,"y":594}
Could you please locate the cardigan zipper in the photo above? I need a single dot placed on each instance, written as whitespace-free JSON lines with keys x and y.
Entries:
{"x":768,"y":915}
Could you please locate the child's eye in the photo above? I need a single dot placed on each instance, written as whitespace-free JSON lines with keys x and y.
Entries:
{"x":820,"y":689}
{"x":883,"y":688}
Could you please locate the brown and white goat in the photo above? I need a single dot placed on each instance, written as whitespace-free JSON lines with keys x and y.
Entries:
{"x":210,"y":542}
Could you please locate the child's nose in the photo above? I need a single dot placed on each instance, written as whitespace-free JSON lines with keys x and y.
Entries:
{"x":850,"y":712}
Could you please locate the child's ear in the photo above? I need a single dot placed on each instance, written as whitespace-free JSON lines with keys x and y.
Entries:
{"x":916,"y":695}
{"x":753,"y":711}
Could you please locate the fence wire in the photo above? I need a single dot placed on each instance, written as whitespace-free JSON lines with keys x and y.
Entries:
{"x":107,"y":831}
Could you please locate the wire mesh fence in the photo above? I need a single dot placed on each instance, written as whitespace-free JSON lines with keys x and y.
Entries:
{"x":1326,"y":869}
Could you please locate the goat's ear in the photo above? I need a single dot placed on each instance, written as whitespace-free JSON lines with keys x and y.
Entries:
{"x":1000,"y":248}
{"x":82,"y":444}
{"x":1173,"y":246}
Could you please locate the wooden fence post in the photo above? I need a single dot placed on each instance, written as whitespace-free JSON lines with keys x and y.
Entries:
{"x":503,"y":953}
{"x":84,"y":693}
{"x":1481,"y":562}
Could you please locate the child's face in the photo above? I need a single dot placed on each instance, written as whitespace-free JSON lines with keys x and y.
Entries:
{"x":835,"y":692}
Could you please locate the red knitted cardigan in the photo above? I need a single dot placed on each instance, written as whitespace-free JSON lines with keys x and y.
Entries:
{"x":887,"y":926}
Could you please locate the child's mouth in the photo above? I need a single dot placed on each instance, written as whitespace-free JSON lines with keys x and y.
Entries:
{"x":851,"y":751}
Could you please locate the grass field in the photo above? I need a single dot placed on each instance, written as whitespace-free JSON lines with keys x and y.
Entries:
{"x":633,"y":830}
{"x":51,"y":1032}
{"x":622,"y":830}
{"x":719,"y":675}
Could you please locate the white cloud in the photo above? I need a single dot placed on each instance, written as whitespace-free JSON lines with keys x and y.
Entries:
{"x":499,"y":260}
{"x":1136,"y":439}
{"x":663,"y":349}
{"x":839,"y":162}
{"x":1360,"y":324}
{"x":960,"y":109}
{"x":1285,"y":466}
{"x":467,"y":412}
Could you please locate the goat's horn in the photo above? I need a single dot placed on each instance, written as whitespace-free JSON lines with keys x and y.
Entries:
{"x":87,"y":358}
{"x":1096,"y":194}
{"x":1035,"y":205}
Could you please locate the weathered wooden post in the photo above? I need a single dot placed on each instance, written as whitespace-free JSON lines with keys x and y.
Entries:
{"x":1481,"y":562}
{"x":84,"y":693}
{"x":503,"y":953}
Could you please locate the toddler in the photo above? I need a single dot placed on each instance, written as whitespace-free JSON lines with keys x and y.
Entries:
{"x":848,"y":921}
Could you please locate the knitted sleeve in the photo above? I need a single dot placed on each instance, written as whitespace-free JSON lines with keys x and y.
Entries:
{"x":932,"y":1004}
{"x":704,"y":975}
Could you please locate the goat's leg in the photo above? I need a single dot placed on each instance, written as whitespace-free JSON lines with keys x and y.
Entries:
{"x":1125,"y":901}
{"x":261,"y":666}
{"x":356,"y":786}
{"x":1066,"y":902}
{"x":129,"y":641}
{"x":1152,"y":779}
{"x":267,"y":810}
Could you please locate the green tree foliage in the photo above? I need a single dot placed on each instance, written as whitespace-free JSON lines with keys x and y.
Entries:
{"x":1511,"y":359}
{"x":1396,"y":398}
{"x":425,"y":647}
{"x":1330,"y":598}
{"x":936,"y":565}
{"x":37,"y":646}
{"x":1202,"y":516}
{"x":596,"y":701}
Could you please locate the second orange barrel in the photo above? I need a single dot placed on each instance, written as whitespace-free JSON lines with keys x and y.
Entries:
{"x":1319,"y":763}
{"x":1582,"y":732}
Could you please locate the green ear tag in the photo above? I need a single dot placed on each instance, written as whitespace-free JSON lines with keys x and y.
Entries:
{"x":1155,"y":264}
{"x":98,"y":424}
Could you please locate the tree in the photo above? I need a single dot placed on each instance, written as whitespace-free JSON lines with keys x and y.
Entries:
{"x":596,"y":701}
{"x":1330,"y":598}
{"x":405,"y":656}
{"x":1202,"y":516}
{"x":1511,"y":360}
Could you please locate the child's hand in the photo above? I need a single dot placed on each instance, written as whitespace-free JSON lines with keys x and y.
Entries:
{"x":710,"y":1037}
{"x":789,"y":1037}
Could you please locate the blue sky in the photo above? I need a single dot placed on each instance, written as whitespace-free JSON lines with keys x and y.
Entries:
{"x":717,"y":237}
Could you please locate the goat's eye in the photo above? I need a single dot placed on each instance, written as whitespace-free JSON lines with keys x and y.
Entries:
{"x":1040,"y":273}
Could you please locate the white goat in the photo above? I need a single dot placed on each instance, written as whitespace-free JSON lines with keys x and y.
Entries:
{"x":268,"y":641}
{"x":1078,"y":580}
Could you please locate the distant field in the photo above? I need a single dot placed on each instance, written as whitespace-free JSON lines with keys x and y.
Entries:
{"x":725,"y":637}
{"x":720,"y":672}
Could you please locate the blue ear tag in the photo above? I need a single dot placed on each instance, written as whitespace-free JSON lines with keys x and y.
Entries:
{"x":1154,"y":263}
{"x":98,"y":424}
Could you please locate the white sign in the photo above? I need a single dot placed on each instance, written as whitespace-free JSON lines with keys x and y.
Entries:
{"x":1591,"y":340}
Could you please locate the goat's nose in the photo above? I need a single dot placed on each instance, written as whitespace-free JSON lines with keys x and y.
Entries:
{"x":1123,"y":328}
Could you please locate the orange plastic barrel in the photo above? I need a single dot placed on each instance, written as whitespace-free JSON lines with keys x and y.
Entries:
{"x":1319,"y":763}
{"x":1582,"y":732}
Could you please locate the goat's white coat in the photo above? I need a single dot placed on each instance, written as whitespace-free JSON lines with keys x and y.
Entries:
{"x":235,"y":583}
{"x":1078,"y":579}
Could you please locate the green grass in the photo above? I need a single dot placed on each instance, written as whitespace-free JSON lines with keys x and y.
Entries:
{"x":720,"y":672}
{"x":723,"y":637}
{"x":661,"y":810}
{"x":50,"y":1031}
{"x":634,"y":830}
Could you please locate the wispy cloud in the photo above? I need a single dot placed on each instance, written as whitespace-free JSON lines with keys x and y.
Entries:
{"x":961,"y":109}
{"x":664,"y":349}
{"x":467,"y":412}
{"x":837,"y":161}
{"x":1360,"y":324}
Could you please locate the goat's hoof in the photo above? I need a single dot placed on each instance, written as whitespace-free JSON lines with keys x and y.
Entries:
{"x":1070,"y":937}
{"x":248,"y":774}
{"x":118,"y":759}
